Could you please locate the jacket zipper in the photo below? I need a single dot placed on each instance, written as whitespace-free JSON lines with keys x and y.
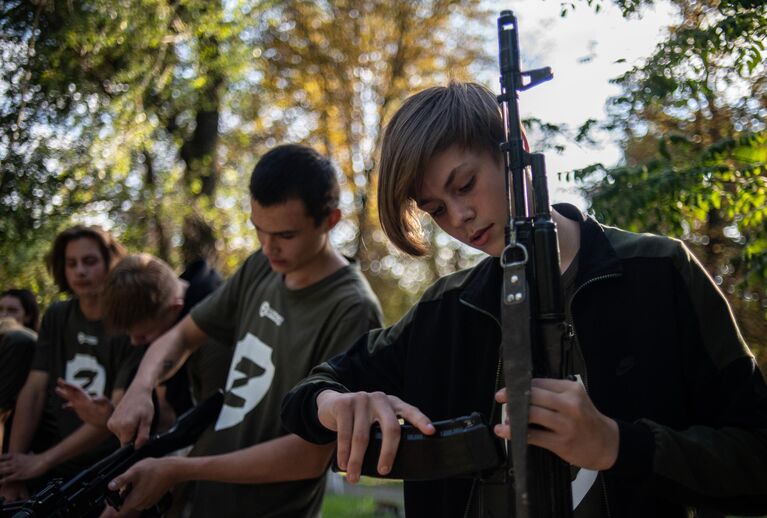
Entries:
{"x":499,"y":368}
{"x":498,"y":372}
{"x":604,"y":495}
{"x":592,"y":281}
{"x":573,"y":336}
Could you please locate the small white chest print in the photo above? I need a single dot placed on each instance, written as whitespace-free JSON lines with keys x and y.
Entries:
{"x":267,"y":311}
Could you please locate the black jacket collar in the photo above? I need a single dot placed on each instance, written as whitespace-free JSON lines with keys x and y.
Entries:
{"x":596,"y":257}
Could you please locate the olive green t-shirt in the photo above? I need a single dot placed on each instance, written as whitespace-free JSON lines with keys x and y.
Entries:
{"x":278,"y":335}
{"x":208,"y":366}
{"x":79,"y":350}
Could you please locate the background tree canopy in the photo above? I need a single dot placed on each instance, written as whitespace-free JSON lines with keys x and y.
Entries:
{"x":131,"y":114}
{"x":692,"y":125}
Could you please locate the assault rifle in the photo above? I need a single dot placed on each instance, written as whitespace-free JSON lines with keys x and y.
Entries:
{"x":85,"y":494}
{"x":532,"y":309}
{"x":533,"y":338}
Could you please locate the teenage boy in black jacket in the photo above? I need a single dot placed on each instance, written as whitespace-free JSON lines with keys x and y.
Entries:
{"x":673,"y":413}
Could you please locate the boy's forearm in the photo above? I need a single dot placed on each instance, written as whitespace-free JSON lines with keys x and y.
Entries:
{"x":164,"y":357}
{"x":78,"y":442}
{"x":161,"y":359}
{"x":283,"y":459}
{"x":26,"y":416}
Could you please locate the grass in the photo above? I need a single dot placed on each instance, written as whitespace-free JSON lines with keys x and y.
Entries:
{"x":339,"y":506}
{"x":369,"y":498}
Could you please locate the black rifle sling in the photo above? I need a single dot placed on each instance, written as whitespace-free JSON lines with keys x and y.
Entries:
{"x":517,"y":369}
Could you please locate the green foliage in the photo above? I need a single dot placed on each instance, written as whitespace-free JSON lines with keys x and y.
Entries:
{"x":667,"y":192}
{"x":692,"y":120}
{"x":132,"y":114}
{"x":627,"y":7}
{"x":103,"y":95}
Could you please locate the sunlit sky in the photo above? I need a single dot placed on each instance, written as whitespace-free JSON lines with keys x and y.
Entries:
{"x":584,"y":50}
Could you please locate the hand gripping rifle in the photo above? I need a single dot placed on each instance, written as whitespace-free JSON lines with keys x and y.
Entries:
{"x":84,"y":495}
{"x":532,"y":308}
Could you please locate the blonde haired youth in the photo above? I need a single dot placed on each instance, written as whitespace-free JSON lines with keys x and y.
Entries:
{"x":137,"y":289}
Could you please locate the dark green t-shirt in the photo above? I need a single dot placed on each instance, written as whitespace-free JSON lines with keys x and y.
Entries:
{"x":208,"y":366}
{"x":278,"y":335}
{"x":79,"y":350}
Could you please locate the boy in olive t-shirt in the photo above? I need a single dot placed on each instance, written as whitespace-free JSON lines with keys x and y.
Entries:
{"x":158,"y":300}
{"x":83,"y":354}
{"x":72,"y":345}
{"x":291,"y":305}
{"x":143,"y":298}
{"x":280,"y":334}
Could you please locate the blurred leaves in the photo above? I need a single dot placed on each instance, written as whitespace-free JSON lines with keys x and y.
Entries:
{"x":131,"y":114}
{"x":692,"y":124}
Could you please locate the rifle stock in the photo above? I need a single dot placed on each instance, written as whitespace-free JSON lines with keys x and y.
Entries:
{"x":84,"y":495}
{"x":532,"y":309}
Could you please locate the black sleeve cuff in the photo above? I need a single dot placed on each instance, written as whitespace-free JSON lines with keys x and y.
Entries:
{"x":299,"y":412}
{"x":636,"y":450}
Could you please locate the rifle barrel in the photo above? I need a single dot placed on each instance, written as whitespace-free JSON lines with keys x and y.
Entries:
{"x":532,"y":313}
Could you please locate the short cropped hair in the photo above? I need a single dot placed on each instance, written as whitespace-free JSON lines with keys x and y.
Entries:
{"x":293,"y":171}
{"x":111,"y":251}
{"x":135,"y":291}
{"x":427,"y":123}
{"x":28,"y":302}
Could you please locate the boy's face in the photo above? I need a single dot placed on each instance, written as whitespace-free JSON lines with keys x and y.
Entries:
{"x":288,"y":236}
{"x":146,"y":332}
{"x":464,"y":193}
{"x":84,"y":267}
{"x":10,"y":306}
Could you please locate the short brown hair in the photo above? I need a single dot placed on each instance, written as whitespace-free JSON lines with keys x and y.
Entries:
{"x":427,"y":123}
{"x":136,"y":290}
{"x":111,"y":251}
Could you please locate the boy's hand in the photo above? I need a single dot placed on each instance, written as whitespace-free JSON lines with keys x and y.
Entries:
{"x":146,"y":482}
{"x":15,"y":467}
{"x":569,"y":424}
{"x":351,"y":416}
{"x":132,"y":419}
{"x":92,"y":410}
